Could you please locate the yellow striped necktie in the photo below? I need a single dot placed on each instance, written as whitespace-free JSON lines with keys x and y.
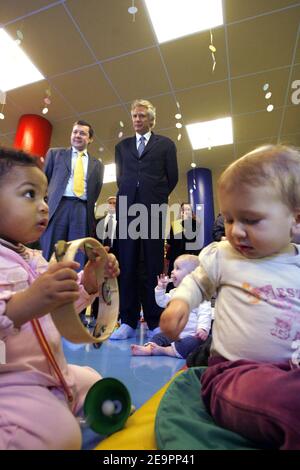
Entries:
{"x":78,"y":179}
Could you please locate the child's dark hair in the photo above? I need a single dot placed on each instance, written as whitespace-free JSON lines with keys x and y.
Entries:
{"x":10,"y":158}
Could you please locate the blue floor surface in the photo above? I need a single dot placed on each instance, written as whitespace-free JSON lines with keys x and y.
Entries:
{"x":142,"y":375}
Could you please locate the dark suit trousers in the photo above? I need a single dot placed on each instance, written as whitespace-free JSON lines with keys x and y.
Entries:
{"x":141,"y":261}
{"x":68,"y":223}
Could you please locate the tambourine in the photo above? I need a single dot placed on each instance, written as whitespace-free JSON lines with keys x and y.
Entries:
{"x":65,"y":318}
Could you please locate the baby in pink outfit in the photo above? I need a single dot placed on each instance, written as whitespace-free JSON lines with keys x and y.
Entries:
{"x":38,"y":406}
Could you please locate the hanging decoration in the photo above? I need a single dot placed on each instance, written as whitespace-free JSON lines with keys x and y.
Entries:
{"x":209,"y":142}
{"x":121,"y":133}
{"x":46,"y":101}
{"x":268,"y":95}
{"x":178,"y":124}
{"x":20,"y":37}
{"x":132,"y":11}
{"x":2,"y":103}
{"x":212,"y":49}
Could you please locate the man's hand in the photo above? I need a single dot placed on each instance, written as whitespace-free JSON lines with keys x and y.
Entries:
{"x":174,"y":318}
{"x":112,"y":266}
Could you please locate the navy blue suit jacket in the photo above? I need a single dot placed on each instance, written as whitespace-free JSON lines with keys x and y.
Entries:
{"x":58,"y":170}
{"x":156,"y":170}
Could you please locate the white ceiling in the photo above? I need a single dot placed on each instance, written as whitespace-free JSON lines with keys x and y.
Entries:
{"x":96,"y":60}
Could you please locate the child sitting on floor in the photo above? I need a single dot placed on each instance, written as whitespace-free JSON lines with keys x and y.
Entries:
{"x":198,"y":326}
{"x":39,"y":398}
{"x":252,"y":383}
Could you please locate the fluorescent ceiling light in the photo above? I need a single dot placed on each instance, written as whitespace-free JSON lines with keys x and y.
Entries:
{"x":209,"y":134}
{"x":109,"y":173}
{"x":173,"y":19}
{"x":16,"y":68}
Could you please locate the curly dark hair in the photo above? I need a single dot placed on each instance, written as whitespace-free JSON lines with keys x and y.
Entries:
{"x":10,"y":158}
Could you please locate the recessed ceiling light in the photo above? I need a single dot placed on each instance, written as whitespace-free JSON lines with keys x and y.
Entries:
{"x":209,"y":134}
{"x":16,"y":68}
{"x":270,"y":108}
{"x":172,"y":19}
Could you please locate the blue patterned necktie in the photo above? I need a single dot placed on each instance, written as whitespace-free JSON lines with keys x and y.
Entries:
{"x":141,"y":146}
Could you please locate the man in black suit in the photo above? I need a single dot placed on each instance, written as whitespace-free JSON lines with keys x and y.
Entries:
{"x":147,"y":172}
{"x":106,"y":226}
{"x":71,"y":214}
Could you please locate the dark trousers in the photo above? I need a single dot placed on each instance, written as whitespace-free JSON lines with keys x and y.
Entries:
{"x":68,"y":223}
{"x":260,"y":401}
{"x":141,"y":260}
{"x":138,"y":279}
{"x":183,"y":346}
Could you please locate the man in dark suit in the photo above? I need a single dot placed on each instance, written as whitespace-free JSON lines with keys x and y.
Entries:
{"x":71,"y":212}
{"x":147,"y":172}
{"x":106,"y":226}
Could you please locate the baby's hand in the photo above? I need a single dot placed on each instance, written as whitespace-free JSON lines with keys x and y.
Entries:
{"x":174,"y":318}
{"x":111,"y":269}
{"x":202,"y":334}
{"x":112,"y":266}
{"x":52,"y":289}
{"x":162,"y":281}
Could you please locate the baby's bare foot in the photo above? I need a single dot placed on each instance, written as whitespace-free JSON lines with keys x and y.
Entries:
{"x":137,"y":350}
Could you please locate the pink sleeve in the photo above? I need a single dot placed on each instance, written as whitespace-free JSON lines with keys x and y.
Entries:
{"x":6,"y":324}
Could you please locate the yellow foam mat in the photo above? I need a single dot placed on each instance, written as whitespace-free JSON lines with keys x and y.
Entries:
{"x":138,"y":433}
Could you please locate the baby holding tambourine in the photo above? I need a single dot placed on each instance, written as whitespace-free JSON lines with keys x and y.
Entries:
{"x":40,"y":394}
